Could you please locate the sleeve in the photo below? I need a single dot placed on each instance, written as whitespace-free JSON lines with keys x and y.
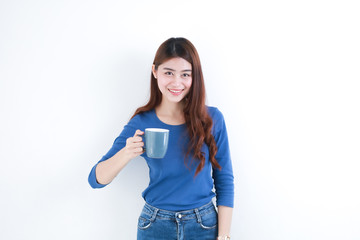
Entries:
{"x":224,"y":178}
{"x":119,"y":143}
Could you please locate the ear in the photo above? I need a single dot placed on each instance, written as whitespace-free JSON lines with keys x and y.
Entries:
{"x":154,"y":72}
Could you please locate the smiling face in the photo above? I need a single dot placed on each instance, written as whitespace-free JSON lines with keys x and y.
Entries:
{"x":174,"y":79}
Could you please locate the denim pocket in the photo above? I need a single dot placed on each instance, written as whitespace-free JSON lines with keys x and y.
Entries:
{"x":143,"y":223}
{"x":209,"y":220}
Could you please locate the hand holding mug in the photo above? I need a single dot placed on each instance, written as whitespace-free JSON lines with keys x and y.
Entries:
{"x":134,"y":145}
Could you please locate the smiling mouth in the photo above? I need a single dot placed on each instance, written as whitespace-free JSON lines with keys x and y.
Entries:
{"x":175,"y":91}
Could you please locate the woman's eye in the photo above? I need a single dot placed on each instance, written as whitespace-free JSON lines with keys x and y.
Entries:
{"x":168,"y":73}
{"x":186,"y":75}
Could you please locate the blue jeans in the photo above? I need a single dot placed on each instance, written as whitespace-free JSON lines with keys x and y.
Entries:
{"x":199,"y":223}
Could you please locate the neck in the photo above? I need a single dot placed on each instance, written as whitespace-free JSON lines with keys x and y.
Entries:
{"x":170,"y":108}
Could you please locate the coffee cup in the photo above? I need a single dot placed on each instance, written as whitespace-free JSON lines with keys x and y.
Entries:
{"x":156,"y":142}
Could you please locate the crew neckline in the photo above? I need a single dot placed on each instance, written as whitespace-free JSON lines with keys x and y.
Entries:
{"x":168,"y":125}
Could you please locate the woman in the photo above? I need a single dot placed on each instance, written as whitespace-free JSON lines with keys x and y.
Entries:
{"x":179,"y":196}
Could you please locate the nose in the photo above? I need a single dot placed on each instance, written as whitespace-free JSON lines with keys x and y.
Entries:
{"x":177,"y":80}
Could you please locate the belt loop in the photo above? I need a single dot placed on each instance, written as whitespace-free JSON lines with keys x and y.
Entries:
{"x":198,"y":215}
{"x":154,"y":214}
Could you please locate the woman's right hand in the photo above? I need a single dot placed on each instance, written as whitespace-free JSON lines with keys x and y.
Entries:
{"x":107,"y":170}
{"x":134,"y":145}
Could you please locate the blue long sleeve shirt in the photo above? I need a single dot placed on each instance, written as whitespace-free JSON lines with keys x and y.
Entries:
{"x":173,"y":185}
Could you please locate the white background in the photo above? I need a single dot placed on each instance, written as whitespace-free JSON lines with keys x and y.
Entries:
{"x":285,"y":74}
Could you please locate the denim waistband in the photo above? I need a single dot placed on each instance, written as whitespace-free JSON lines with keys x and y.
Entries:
{"x":154,"y":212}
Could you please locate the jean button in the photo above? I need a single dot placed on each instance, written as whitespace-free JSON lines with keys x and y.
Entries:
{"x":179,"y":216}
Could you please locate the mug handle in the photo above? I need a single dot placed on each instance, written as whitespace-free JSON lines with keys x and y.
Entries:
{"x":143,"y":139}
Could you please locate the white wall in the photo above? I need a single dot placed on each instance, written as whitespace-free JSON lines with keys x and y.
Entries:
{"x":284,"y":73}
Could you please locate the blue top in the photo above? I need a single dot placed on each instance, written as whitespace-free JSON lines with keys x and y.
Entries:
{"x":173,"y":185}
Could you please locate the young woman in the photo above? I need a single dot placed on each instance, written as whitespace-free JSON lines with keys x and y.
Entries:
{"x":178,"y":200}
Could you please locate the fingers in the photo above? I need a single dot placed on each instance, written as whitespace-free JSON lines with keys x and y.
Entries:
{"x":134,"y":145}
{"x":138,"y":150}
{"x":136,"y":138}
{"x":138,"y":132}
{"x":135,"y":141}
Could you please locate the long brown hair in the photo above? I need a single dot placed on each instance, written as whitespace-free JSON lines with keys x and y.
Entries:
{"x":198,"y":121}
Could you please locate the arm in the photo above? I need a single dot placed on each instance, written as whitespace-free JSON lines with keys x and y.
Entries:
{"x":105,"y":171}
{"x":224,"y":220}
{"x":223,"y":179}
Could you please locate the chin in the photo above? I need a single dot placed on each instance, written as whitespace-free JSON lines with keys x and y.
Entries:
{"x":175,"y":100}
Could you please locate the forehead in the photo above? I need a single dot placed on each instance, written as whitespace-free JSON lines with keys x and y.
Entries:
{"x":176,"y":64}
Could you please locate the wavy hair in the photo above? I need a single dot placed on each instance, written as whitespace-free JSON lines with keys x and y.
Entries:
{"x":198,"y":121}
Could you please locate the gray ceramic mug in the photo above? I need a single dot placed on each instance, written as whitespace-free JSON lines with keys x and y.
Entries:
{"x":156,"y":142}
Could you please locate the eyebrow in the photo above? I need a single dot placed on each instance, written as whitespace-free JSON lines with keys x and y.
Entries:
{"x":170,"y":69}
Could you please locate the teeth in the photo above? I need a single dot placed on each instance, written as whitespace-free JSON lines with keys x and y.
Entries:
{"x":174,"y":91}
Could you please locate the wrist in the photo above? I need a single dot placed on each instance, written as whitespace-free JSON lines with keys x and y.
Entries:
{"x":124,"y":156}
